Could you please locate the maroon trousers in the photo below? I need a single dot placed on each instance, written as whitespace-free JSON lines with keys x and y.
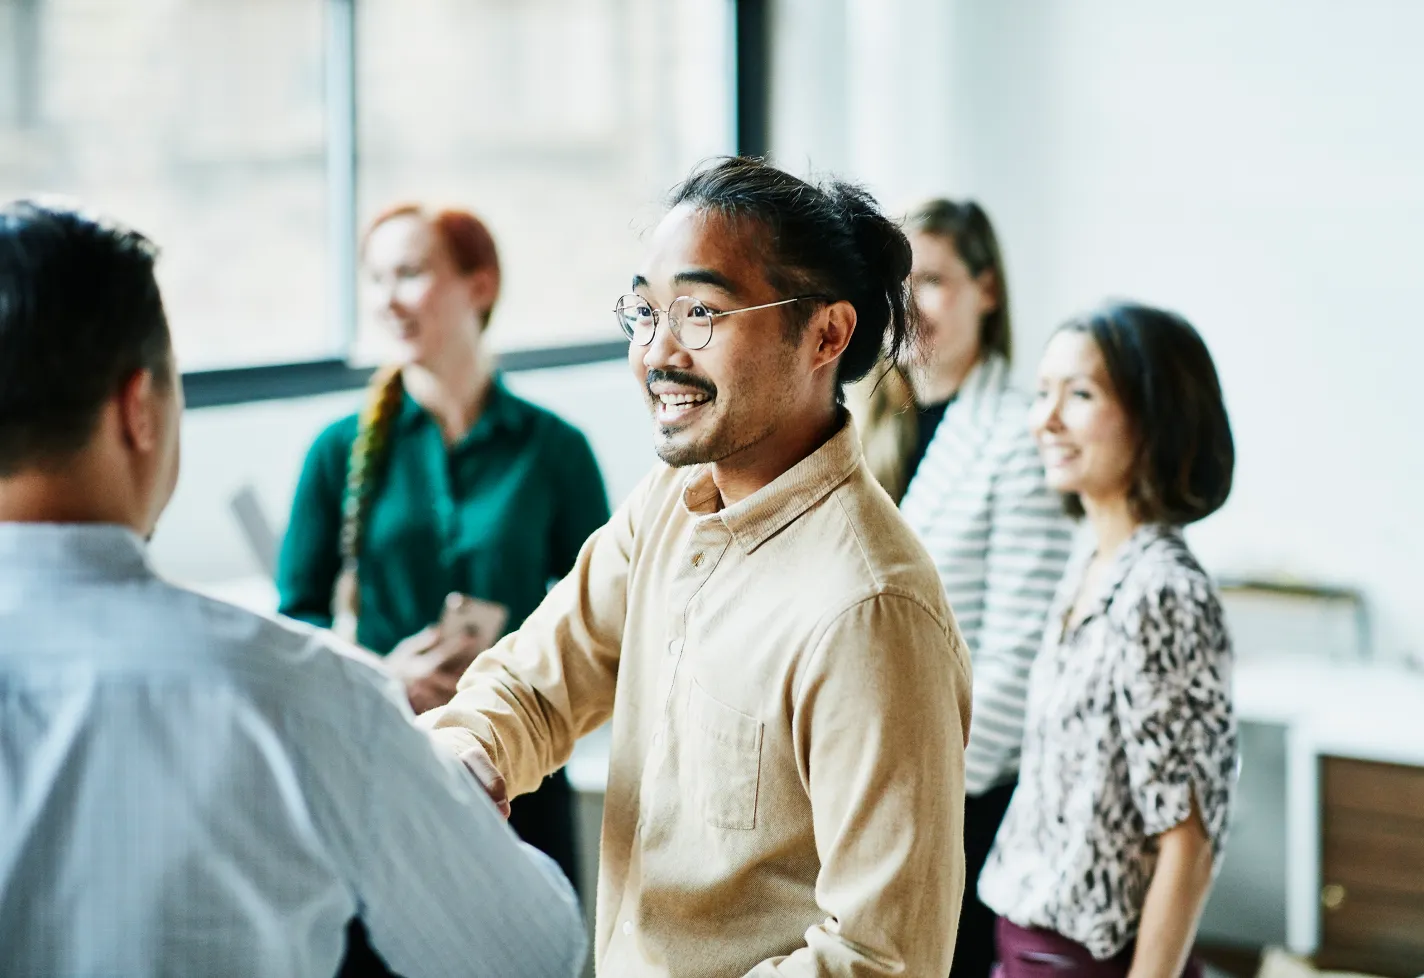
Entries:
{"x":1035,"y":953}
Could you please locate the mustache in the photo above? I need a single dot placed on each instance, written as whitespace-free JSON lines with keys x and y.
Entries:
{"x":680,"y":377}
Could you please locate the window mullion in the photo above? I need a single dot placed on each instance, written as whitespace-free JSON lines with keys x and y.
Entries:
{"x":341,"y":170}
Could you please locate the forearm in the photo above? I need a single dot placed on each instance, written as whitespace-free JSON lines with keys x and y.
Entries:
{"x":428,"y":869}
{"x":525,"y":724}
{"x":528,"y":700}
{"x":1174,"y":903}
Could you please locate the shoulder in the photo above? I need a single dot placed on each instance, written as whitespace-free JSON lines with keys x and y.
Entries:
{"x":302,"y":667}
{"x":1009,"y":424}
{"x":1167,"y":590}
{"x":1166,"y":565}
{"x":335,"y":440}
{"x":554,"y":434}
{"x":886,"y":558}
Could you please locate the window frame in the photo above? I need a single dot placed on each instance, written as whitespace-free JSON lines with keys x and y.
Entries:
{"x":228,"y":386}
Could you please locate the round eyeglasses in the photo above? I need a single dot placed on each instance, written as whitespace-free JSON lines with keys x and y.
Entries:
{"x":689,"y":319}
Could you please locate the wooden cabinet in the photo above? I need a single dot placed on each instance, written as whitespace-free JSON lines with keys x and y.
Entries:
{"x":1372,"y":867}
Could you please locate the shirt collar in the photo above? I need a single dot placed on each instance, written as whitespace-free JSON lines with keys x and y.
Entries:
{"x":772,"y":508}
{"x":1127,"y":556}
{"x":502,"y":412}
{"x":89,"y":549}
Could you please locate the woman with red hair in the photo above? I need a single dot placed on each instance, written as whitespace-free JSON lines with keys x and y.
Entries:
{"x":434,"y":520}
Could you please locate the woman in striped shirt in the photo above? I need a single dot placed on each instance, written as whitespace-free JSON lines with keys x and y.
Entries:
{"x":948,"y":438}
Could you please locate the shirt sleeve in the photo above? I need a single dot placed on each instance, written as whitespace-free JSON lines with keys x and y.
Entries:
{"x":879,"y":723}
{"x":583,"y":501}
{"x":445,"y":887}
{"x":1172,"y":697}
{"x":310,"y":558}
{"x":530,"y":698}
{"x":1030,"y":540}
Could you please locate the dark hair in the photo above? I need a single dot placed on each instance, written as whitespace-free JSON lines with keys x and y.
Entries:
{"x":80,"y":312}
{"x":1165,"y":380}
{"x":965,"y":225}
{"x":829,"y":240}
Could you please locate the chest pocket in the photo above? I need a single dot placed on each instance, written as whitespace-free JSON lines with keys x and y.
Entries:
{"x":727,"y":751}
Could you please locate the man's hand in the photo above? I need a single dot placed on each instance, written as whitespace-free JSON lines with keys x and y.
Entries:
{"x":478,"y":763}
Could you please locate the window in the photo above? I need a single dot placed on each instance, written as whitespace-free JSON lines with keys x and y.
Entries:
{"x":562,"y":123}
{"x":221,"y":128}
{"x":201,"y":123}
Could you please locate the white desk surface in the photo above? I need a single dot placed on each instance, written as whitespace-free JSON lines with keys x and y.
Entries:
{"x":1360,"y":710}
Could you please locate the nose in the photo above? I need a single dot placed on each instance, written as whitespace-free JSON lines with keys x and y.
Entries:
{"x":665,"y":351}
{"x":390,"y":301}
{"x":1046,"y":414}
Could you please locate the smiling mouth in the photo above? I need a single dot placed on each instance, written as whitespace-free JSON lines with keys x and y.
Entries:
{"x":1056,"y":456}
{"x":672,"y":409}
{"x":403,"y":329}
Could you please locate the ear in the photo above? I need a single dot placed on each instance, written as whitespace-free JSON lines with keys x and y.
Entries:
{"x":988,"y":284}
{"x":139,"y":411}
{"x":484,"y":289}
{"x":832,"y":327}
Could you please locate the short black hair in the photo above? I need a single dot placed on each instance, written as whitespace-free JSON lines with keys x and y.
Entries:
{"x":80,"y":312}
{"x":1164,"y":378}
{"x":827,"y":240}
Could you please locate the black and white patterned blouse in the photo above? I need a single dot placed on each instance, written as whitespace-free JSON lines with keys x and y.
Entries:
{"x":1129,"y":712}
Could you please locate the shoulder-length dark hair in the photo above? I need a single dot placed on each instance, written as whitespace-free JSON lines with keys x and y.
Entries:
{"x":1165,"y":380}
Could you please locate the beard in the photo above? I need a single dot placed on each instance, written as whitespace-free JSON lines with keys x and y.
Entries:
{"x":714,"y":438}
{"x":723,"y":426}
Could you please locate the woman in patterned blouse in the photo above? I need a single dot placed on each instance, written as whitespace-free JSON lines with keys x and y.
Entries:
{"x":1116,"y":829}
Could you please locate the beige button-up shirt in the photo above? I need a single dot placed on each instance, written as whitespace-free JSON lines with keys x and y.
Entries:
{"x":790,"y":703}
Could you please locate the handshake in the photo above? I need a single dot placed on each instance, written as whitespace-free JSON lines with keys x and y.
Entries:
{"x":430,"y":662}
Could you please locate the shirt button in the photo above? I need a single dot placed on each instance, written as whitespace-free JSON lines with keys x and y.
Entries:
{"x":675,"y":647}
{"x":657,"y":738}
{"x":627,"y":928}
{"x":697,"y":559}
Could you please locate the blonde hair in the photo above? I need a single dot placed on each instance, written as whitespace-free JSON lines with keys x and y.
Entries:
{"x":884,"y":407}
{"x":369,"y":453}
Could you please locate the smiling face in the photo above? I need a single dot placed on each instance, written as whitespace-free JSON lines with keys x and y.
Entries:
{"x":753,"y":378}
{"x":417,"y":291}
{"x":1083,"y":433}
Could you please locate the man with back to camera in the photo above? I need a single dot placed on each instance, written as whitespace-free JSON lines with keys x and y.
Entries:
{"x":186,"y":787}
{"x":788,"y":691}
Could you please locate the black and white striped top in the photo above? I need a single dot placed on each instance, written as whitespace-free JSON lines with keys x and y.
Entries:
{"x":1000,"y":540}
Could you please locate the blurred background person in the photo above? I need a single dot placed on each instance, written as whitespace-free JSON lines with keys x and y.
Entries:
{"x":948,"y":438}
{"x":434,"y":521}
{"x":1113,"y":836}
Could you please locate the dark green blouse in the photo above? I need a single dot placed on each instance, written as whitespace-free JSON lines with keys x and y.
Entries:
{"x":498,"y":516}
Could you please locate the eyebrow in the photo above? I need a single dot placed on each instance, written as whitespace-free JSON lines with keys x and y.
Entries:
{"x":696,"y":276}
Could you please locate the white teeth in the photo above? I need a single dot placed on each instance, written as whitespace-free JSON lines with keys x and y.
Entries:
{"x":680,"y":400}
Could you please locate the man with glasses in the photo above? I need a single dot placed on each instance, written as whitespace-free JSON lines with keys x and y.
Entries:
{"x":787,"y":687}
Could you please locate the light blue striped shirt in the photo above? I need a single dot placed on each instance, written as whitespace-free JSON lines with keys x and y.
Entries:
{"x":187,"y":788}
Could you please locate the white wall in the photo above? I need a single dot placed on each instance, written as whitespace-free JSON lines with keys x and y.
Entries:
{"x":263,"y":444}
{"x":1258,"y":166}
